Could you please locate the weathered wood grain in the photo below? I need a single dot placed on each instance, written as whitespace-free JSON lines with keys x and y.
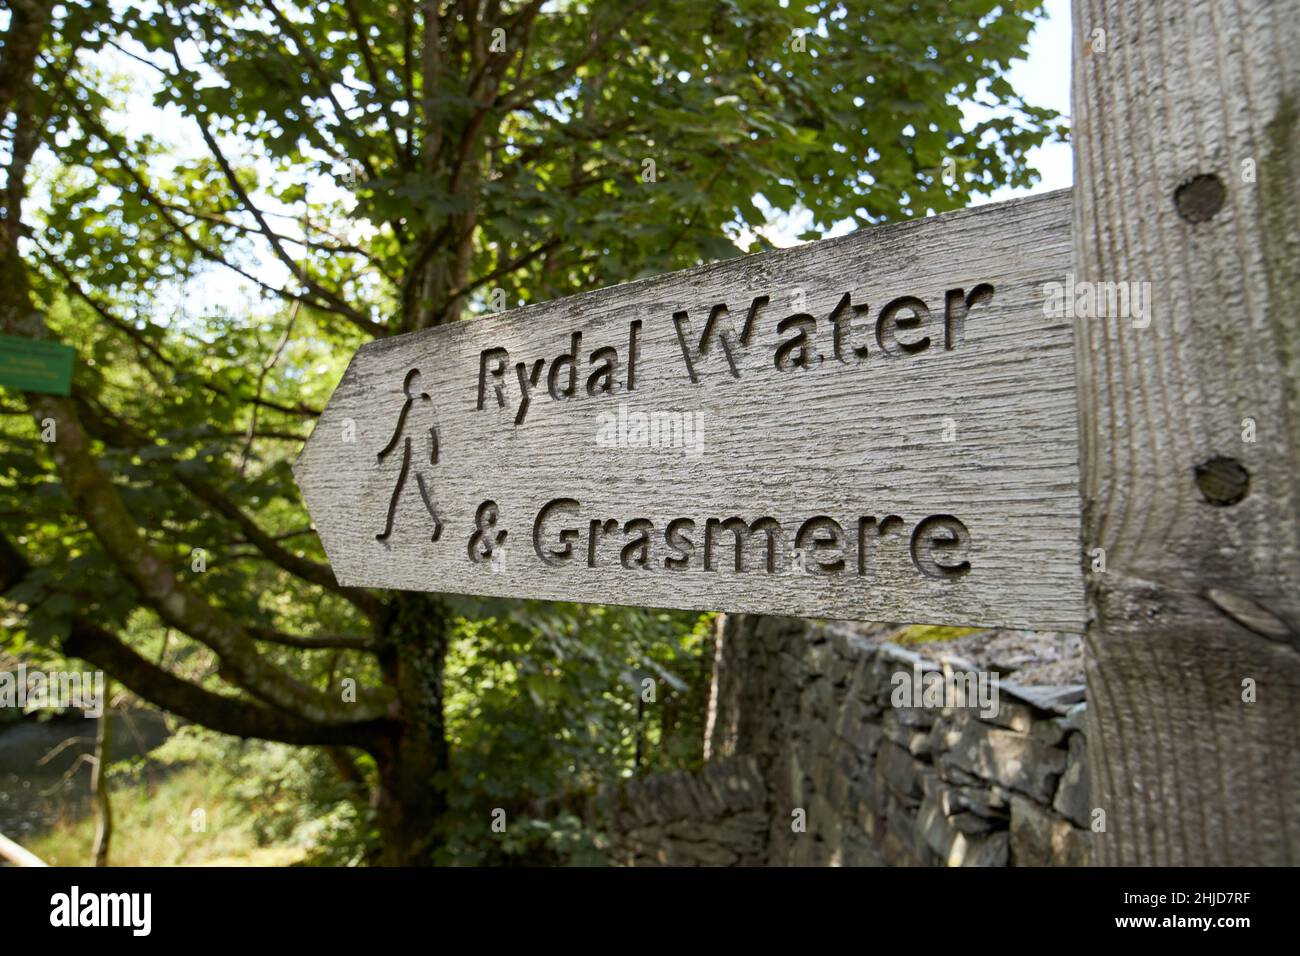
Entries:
{"x":1187,"y":175}
{"x":842,"y":437}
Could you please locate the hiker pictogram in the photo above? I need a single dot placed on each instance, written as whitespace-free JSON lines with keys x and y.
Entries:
{"x":402,"y":435}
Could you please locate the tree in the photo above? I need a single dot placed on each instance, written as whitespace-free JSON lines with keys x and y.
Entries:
{"x":369,"y":168}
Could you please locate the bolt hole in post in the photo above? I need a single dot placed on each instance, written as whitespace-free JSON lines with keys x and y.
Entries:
{"x":1223,"y":481}
{"x":1200,"y":198}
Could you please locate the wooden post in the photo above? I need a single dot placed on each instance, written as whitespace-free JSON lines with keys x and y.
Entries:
{"x":1187,"y":175}
{"x":18,"y":855}
{"x":99,"y":782}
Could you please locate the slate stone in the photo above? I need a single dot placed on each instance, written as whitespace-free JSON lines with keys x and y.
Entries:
{"x":1040,"y":838}
{"x":870,"y":735}
{"x":1058,"y":698}
{"x":1014,"y":760}
{"x":1050,"y":731}
{"x":955,"y":847}
{"x":972,"y":824}
{"x":919,"y":744}
{"x":1076,"y":718}
{"x":1072,"y":792}
{"x":1009,"y":714}
{"x":899,"y":770}
{"x":988,"y":802}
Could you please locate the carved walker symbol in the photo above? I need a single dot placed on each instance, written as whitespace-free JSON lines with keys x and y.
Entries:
{"x":411,"y":387}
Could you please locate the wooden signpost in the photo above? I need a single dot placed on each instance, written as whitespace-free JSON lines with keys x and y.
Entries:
{"x":1186,"y":131}
{"x":881,"y":426}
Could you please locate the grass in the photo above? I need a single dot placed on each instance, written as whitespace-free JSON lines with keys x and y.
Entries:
{"x":182,"y":819}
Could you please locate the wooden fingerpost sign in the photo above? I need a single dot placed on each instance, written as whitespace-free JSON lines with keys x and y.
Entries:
{"x":877,"y":427}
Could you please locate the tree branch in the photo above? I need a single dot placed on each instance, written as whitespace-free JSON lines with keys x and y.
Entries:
{"x":229,"y":715}
{"x":267,"y":366}
{"x":165,"y":212}
{"x":123,"y":435}
{"x":308,"y":570}
{"x":350,"y":642}
{"x":334,"y":302}
{"x":134,"y":334}
{"x":323,"y":78}
{"x":511,"y":266}
{"x":367,"y":55}
{"x":567,"y":70}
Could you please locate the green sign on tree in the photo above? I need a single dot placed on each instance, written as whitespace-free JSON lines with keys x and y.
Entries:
{"x":32,"y":365}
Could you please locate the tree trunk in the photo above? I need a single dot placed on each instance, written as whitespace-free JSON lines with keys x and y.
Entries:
{"x":410,"y":796}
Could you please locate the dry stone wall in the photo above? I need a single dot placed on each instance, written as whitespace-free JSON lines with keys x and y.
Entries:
{"x":717,"y":817}
{"x":817,"y":755}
